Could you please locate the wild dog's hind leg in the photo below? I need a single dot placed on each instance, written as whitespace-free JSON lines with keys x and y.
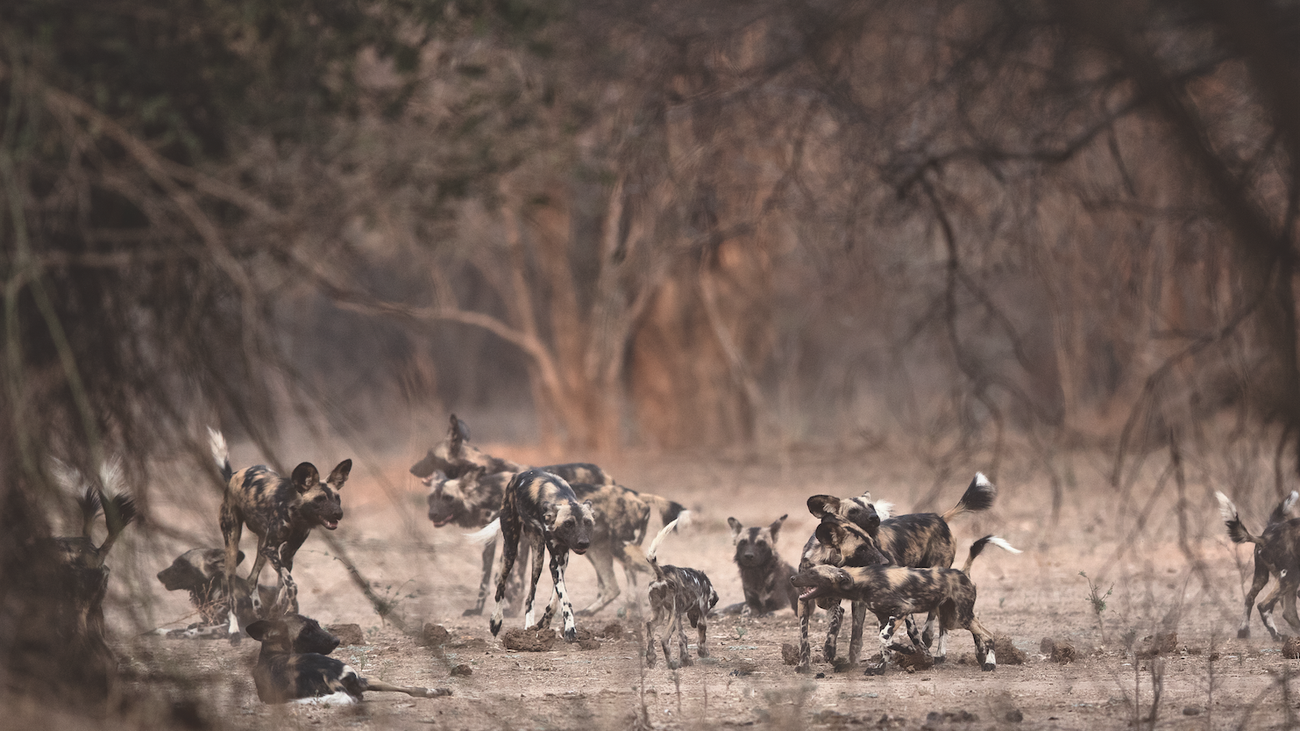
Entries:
{"x":606,"y":585}
{"x":657,"y":600}
{"x":1266,"y":609}
{"x":510,"y":531}
{"x":1256,"y":586}
{"x":489,"y":554}
{"x":232,"y":528}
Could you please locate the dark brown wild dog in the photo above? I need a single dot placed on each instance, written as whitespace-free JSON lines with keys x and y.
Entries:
{"x":1277,"y":553}
{"x":674,"y":593}
{"x":542,"y":509}
{"x":281,"y":511}
{"x":764,"y":576}
{"x":293,"y":666}
{"x":893,"y":593}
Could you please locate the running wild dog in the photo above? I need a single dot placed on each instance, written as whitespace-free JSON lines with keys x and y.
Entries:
{"x":764,"y":576}
{"x":202,"y":572}
{"x":893,"y":593}
{"x":293,"y":665}
{"x":281,"y":511}
{"x":837,"y":542}
{"x":1277,"y":553}
{"x":677,"y":592}
{"x":542,"y":509}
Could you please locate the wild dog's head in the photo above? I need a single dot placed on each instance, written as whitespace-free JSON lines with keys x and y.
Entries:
{"x":446,"y":499}
{"x":571,"y":523}
{"x":196,"y":569}
{"x":293,"y":633}
{"x":319,"y":502}
{"x":454,"y":456}
{"x":856,"y":510}
{"x":755,"y":546}
{"x":852,"y":545}
{"x":822,"y":580}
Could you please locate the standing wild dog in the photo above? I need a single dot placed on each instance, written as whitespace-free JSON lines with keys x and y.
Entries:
{"x":293,"y":665}
{"x":918,"y":540}
{"x":764,"y":576}
{"x":676,"y":592}
{"x":202,"y":572}
{"x":837,"y":542}
{"x":1277,"y":553}
{"x":281,"y":511}
{"x":543,"y":509}
{"x":893,"y":593}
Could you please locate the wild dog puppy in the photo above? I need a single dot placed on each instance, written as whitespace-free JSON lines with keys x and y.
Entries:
{"x":673,"y":593}
{"x":919,"y":540}
{"x":893,"y":593}
{"x":281,"y":511}
{"x":293,"y":665}
{"x":542,"y":509}
{"x":202,"y":572}
{"x":1277,"y":553}
{"x":837,"y":542}
{"x":764,"y":576}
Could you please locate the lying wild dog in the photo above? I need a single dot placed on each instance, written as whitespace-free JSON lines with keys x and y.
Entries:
{"x":293,"y":665}
{"x":837,"y":542}
{"x":466,"y":487}
{"x":202,"y":572}
{"x":673,"y":593}
{"x":281,"y":511}
{"x":893,"y":593}
{"x":919,"y":540}
{"x":764,"y":576}
{"x":1277,"y":553}
{"x":542,"y":509}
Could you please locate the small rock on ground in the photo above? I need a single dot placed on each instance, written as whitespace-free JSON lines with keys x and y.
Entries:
{"x":434,"y":635}
{"x":522,"y":640}
{"x":348,"y":634}
{"x":1006,"y":651}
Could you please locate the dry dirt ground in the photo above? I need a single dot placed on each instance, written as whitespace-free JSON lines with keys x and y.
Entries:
{"x":1153,"y":576}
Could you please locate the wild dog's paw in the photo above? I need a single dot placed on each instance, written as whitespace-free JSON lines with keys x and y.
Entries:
{"x":875,"y":669}
{"x":570,"y":634}
{"x":495,"y":626}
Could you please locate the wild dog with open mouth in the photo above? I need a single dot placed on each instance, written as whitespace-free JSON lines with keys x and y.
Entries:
{"x":281,"y":512}
{"x":202,"y":572}
{"x":764,"y":576}
{"x":542,"y":509}
{"x":675,"y":592}
{"x":837,"y":542}
{"x":918,"y":540}
{"x":293,"y":665}
{"x":1277,"y":553}
{"x":893,"y":593}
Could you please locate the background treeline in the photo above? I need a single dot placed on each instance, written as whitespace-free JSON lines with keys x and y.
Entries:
{"x":661,"y":224}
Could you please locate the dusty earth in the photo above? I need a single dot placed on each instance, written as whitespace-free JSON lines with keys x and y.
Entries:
{"x":1151,"y":579}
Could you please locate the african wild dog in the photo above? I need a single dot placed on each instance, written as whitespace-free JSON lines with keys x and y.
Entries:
{"x":466,"y":489}
{"x":893,"y":593}
{"x":293,"y":665}
{"x":764,"y":577}
{"x":1277,"y":553}
{"x":837,"y":542}
{"x":281,"y":511}
{"x":202,"y":572}
{"x":918,"y":540}
{"x":543,"y":509}
{"x":676,"y":592}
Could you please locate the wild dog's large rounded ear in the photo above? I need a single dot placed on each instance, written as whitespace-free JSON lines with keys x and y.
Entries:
{"x":305,"y":477}
{"x":425,"y":468}
{"x":457,"y":435}
{"x":340,"y":474}
{"x":264,"y":629}
{"x":830,"y":533}
{"x":736,"y":527}
{"x":776,"y":526}
{"x":820,"y":505}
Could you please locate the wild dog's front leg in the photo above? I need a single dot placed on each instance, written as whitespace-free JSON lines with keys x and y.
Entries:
{"x":537,"y":544}
{"x":489,"y":553}
{"x":833,"y":631}
{"x":606,"y":585}
{"x":887,"y":630}
{"x":927,"y":637}
{"x":805,"y":646}
{"x":702,"y":625}
{"x":984,"y":646}
{"x":1289,"y":587}
{"x":855,"y":636}
{"x":558,"y":565}
{"x":287,"y":600}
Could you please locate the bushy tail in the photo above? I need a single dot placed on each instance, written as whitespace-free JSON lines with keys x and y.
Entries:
{"x":977,"y":548}
{"x":486,"y":534}
{"x":118,"y":514}
{"x":1236,"y":531}
{"x":1283,"y":508}
{"x":654,"y":548}
{"x":884,"y":510}
{"x":979,"y":496}
{"x":220,"y":454}
{"x":669,"y":510}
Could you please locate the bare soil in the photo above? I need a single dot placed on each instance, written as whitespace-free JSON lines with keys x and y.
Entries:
{"x":1172,"y":600}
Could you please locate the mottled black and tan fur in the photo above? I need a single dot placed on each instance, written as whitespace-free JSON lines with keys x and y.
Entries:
{"x":1277,"y":553}
{"x":202,"y":573}
{"x":837,"y":542}
{"x":893,"y":593}
{"x":764,"y":575}
{"x":675,"y":593}
{"x":455,"y":456}
{"x":294,"y":665}
{"x":544,"y":510}
{"x":281,"y":511}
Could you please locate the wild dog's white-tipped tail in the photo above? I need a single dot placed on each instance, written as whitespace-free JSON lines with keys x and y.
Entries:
{"x":68,"y":477}
{"x":1226,"y":508}
{"x":111,"y":476}
{"x":220,"y":453}
{"x":978,"y":547}
{"x":654,"y":545}
{"x":486,"y":534}
{"x":1290,"y":501}
{"x":1000,"y":543}
{"x":684,"y":518}
{"x":884,"y":509}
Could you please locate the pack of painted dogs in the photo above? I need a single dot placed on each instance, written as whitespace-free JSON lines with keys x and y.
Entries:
{"x":891,"y":566}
